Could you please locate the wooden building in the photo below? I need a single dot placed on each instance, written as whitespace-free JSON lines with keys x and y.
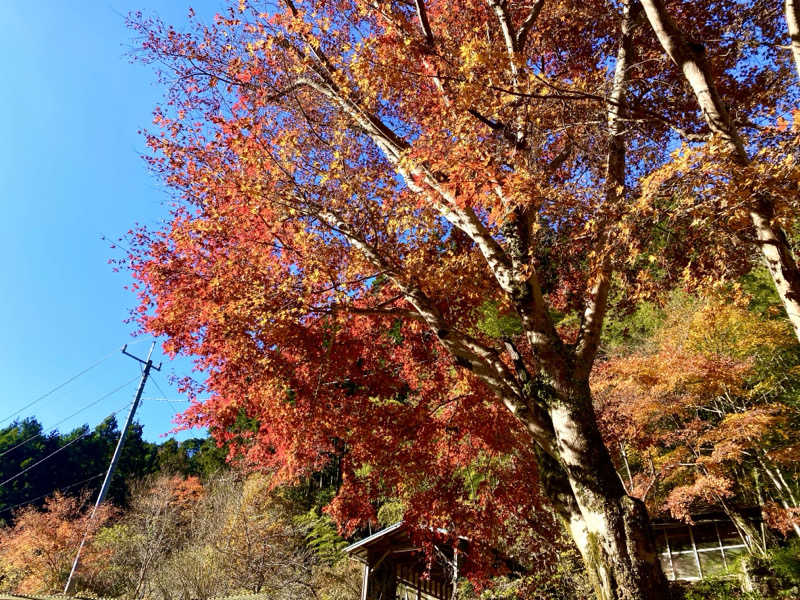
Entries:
{"x":395,"y":569}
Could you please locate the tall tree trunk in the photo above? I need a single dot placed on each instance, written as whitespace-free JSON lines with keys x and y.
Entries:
{"x":558,"y":491}
{"x":771,"y":238}
{"x":610,"y":528}
{"x":793,"y":25}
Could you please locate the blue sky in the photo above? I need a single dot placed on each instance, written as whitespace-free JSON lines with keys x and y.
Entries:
{"x":71,"y":104}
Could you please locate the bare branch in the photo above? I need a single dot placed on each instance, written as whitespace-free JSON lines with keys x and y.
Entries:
{"x":500,"y":10}
{"x":597,"y":302}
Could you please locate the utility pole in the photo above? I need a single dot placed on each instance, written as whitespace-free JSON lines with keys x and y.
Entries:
{"x":148,"y":364}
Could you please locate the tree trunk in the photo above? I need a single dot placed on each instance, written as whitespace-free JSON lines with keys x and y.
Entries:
{"x":771,"y":238}
{"x":779,"y":260}
{"x":558,"y":491}
{"x":611,"y":529}
{"x":793,"y":25}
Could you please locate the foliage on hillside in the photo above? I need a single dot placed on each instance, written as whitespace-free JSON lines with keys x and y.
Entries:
{"x":37,"y":552}
{"x":705,"y":416}
{"x":180,"y":538}
{"x":85,"y":455}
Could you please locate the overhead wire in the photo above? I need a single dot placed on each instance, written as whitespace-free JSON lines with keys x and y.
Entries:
{"x":62,"y":489}
{"x":64,"y":447}
{"x":54,"y":427}
{"x":176,"y":408}
{"x":62,"y":384}
{"x":164,"y":396}
{"x":170,"y":400}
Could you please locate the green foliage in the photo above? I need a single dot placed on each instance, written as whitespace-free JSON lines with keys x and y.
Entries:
{"x":786,"y":561}
{"x":564,"y":579}
{"x":196,"y":456}
{"x":391,"y":512}
{"x":764,"y":299}
{"x":322,"y":536}
{"x":497,"y":324}
{"x":630,"y":328}
{"x":86,"y":454}
{"x":718,"y":589}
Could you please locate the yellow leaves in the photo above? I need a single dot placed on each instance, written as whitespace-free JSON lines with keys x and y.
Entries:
{"x":722,"y":327}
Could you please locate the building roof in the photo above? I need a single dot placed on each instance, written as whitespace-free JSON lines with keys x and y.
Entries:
{"x":359,"y":549}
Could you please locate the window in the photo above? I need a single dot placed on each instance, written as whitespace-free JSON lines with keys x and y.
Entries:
{"x":706,"y":549}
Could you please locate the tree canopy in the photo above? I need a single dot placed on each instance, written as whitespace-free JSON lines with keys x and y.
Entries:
{"x":397,"y":226}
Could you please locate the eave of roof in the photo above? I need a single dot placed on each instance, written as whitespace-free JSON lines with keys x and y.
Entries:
{"x":373,"y":538}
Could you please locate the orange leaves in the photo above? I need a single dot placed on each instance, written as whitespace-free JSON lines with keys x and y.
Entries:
{"x":709,"y":489}
{"x":783,"y":519}
{"x":41,"y":544}
{"x":355,"y":181}
{"x":703,"y":405}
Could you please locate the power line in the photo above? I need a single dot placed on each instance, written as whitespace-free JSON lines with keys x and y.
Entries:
{"x":54,"y":427}
{"x":49,"y":456}
{"x":63,"y":489}
{"x":60,"y":385}
{"x":178,"y":407}
{"x":165,"y":399}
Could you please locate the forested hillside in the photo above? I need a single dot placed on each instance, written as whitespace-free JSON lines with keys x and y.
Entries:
{"x":76,"y":462}
{"x":182,"y":536}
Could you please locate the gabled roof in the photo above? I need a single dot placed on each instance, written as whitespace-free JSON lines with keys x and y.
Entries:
{"x":392,"y":550}
{"x":391,"y":535}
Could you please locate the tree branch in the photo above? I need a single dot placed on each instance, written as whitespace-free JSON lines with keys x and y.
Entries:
{"x":527,"y":25}
{"x":597,"y":302}
{"x":424,"y":24}
{"x":500,"y":10}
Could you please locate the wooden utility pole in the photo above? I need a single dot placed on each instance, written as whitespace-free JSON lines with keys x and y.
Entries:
{"x":148,"y":364}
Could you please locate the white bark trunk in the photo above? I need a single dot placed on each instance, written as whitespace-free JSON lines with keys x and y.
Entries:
{"x":793,"y":25}
{"x":613,"y":532}
{"x":771,"y":238}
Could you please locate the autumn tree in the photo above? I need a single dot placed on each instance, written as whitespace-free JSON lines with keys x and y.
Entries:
{"x":707,"y":417}
{"x":755,"y":179}
{"x":37,"y":552}
{"x":395,"y":232}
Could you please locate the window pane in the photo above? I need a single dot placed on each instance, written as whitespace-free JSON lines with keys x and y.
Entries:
{"x":685,"y":566}
{"x":679,"y":539}
{"x":732,"y":555}
{"x":705,"y":536}
{"x":665,"y":566}
{"x":661,"y":541}
{"x":728,"y":534}
{"x":712,"y":563}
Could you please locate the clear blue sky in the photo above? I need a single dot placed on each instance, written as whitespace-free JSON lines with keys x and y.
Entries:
{"x":70,"y":173}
